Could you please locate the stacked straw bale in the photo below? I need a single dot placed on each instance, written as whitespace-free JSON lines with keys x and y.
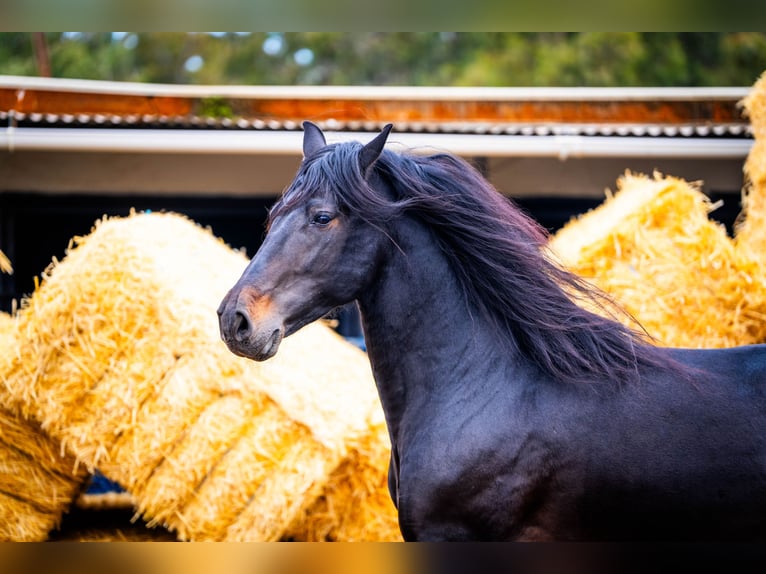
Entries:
{"x":122,"y":362}
{"x":653,"y":248}
{"x":355,"y":505}
{"x":37,"y":482}
{"x":751,"y":232}
{"x":5,"y":264}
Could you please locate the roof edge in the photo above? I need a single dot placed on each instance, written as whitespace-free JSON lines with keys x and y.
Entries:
{"x":402,"y":93}
{"x":289,"y":143}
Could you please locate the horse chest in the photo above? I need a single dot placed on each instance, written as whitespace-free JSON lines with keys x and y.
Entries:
{"x":475,"y":481}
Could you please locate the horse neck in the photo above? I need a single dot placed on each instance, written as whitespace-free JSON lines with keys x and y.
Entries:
{"x":423,"y":341}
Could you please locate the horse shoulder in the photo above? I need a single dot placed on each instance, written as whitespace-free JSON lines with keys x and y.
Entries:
{"x":481,"y":480}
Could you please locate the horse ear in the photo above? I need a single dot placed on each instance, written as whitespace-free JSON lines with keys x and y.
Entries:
{"x":313,"y":139}
{"x":372,"y":150}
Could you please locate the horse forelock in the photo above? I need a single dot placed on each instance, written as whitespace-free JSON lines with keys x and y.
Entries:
{"x":497,"y":254}
{"x":334,"y":171}
{"x":307,"y":181}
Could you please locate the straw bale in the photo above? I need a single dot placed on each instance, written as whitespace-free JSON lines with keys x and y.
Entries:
{"x":355,"y":505}
{"x":653,"y":248}
{"x":9,"y":349}
{"x":103,"y":328}
{"x":754,"y":105}
{"x":750,"y":235}
{"x":37,"y":482}
{"x":751,"y":229}
{"x":5,"y":264}
{"x":193,"y":383}
{"x":32,"y":464}
{"x":282,"y":465}
{"x":121,"y":360}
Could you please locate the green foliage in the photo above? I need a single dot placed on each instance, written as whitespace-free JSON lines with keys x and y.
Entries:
{"x":215,"y":108}
{"x":16,"y":54}
{"x":404,"y":58}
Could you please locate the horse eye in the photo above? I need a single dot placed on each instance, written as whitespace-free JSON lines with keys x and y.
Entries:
{"x":321,"y":218}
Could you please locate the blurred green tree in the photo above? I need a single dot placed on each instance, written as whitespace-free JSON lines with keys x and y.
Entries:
{"x":405,"y":58}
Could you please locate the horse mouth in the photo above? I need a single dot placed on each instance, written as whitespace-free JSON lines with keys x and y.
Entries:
{"x":269,"y":349}
{"x":254,"y":350}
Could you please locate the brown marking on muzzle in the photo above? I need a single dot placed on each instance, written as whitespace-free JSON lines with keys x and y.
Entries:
{"x":257,"y":304}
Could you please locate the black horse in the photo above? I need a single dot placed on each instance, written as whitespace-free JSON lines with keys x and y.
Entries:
{"x":514,"y":413}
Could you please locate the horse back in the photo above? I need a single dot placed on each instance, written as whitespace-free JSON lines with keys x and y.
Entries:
{"x":687,"y":459}
{"x":737,"y":370}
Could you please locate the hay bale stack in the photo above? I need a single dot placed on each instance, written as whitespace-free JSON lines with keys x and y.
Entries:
{"x":653,"y":248}
{"x":121,"y":360}
{"x":342,"y":409}
{"x":37,"y":482}
{"x":5,"y":264}
{"x":355,"y":505}
{"x":751,"y":232}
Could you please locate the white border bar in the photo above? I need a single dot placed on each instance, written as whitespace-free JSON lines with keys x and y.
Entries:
{"x":290,"y":143}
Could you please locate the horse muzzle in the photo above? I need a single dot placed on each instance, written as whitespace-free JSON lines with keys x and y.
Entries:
{"x":248,"y":325}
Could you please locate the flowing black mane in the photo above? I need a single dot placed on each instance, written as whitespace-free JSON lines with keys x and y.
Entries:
{"x":496,"y":251}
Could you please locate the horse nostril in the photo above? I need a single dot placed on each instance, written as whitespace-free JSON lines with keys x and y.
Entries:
{"x":242,"y":326}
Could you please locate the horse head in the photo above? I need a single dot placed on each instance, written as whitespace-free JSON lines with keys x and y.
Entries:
{"x":316,"y":256}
